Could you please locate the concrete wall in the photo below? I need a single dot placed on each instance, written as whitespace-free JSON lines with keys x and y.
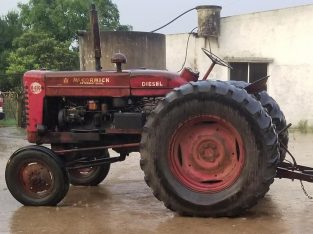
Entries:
{"x":283,"y":38}
{"x":141,"y":49}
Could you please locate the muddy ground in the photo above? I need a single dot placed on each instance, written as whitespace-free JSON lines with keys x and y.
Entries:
{"x":124,"y":204}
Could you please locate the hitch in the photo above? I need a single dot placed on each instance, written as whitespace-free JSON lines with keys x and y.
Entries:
{"x":290,"y":170}
{"x":294,"y":172}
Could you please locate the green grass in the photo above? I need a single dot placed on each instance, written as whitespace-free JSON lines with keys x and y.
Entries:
{"x":8,"y":123}
{"x":304,"y":127}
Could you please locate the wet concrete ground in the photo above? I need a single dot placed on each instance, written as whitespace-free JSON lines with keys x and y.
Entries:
{"x":124,"y":204}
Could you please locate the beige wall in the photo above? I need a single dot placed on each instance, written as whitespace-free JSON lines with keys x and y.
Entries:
{"x":142,"y":49}
{"x":282,"y":37}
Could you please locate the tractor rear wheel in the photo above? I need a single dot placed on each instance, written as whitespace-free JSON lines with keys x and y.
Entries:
{"x":278,"y":119}
{"x":35,"y":176}
{"x":209,"y":149}
{"x":273,"y":109}
{"x":90,"y":176}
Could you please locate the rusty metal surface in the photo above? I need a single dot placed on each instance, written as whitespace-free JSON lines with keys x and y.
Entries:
{"x":208,"y":20}
{"x":119,"y":59}
{"x":35,"y":92}
{"x":123,"y":131}
{"x":207,"y":154}
{"x":36,"y":179}
{"x":295,"y":172}
{"x":67,"y":137}
{"x":96,"y":36}
{"x":109,"y":84}
{"x":205,"y":77}
{"x":123,"y":146}
{"x":258,"y":86}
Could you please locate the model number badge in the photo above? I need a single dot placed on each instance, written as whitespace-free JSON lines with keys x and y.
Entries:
{"x":35,"y":88}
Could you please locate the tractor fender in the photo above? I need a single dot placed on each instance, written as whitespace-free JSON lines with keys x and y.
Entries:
{"x":257,"y":86}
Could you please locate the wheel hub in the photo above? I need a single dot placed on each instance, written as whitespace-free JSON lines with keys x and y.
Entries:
{"x":36,"y":178}
{"x":206,"y":154}
{"x":208,"y":151}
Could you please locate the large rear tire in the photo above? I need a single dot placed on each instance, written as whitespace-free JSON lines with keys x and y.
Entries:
{"x":209,"y":149}
{"x":273,"y":109}
{"x":278,"y":119}
{"x":35,"y":176}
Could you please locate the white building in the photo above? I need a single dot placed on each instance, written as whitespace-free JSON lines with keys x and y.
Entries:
{"x":278,"y":42}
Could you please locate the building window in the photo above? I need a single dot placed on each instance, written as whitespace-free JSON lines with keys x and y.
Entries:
{"x":248,"y":72}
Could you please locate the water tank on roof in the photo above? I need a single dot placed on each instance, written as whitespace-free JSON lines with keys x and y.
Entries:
{"x":209,"y":20}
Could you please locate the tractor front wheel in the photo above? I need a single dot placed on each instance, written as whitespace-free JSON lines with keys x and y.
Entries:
{"x":90,"y":176}
{"x":35,"y":176}
{"x":209,"y":149}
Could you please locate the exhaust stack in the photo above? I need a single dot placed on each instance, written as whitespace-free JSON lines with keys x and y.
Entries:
{"x":96,"y":36}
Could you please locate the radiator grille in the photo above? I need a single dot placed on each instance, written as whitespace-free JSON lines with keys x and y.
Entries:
{"x":26,"y":102}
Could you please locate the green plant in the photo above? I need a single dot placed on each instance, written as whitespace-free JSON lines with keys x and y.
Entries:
{"x":8,"y":123}
{"x":303,"y":126}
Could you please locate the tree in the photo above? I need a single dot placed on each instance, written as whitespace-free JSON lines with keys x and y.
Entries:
{"x":35,"y":50}
{"x":10,"y":28}
{"x":62,"y":18}
{"x":40,"y":36}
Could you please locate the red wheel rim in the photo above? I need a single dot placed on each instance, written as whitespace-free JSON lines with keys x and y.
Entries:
{"x":37,"y":179}
{"x":206,"y":154}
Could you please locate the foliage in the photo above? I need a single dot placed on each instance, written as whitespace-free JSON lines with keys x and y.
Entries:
{"x":10,"y":28}
{"x":37,"y":50}
{"x":40,"y":35}
{"x":62,"y":18}
{"x":8,"y":123}
{"x":303,"y":126}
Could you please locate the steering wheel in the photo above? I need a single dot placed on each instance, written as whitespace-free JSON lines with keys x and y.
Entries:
{"x":215,"y":59}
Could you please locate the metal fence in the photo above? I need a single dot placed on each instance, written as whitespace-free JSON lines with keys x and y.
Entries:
{"x":13,"y":97}
{"x":10,"y":105}
{"x":14,"y":107}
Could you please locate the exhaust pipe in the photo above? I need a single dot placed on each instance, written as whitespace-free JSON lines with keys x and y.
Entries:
{"x":96,"y":36}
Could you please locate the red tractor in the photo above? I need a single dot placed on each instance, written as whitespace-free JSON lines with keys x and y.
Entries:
{"x":208,"y":148}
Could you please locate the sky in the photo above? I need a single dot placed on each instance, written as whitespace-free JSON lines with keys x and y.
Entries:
{"x":147,"y":15}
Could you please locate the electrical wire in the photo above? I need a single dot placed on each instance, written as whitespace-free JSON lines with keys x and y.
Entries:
{"x":186,"y":53}
{"x":188,"y":36}
{"x":173,"y":20}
